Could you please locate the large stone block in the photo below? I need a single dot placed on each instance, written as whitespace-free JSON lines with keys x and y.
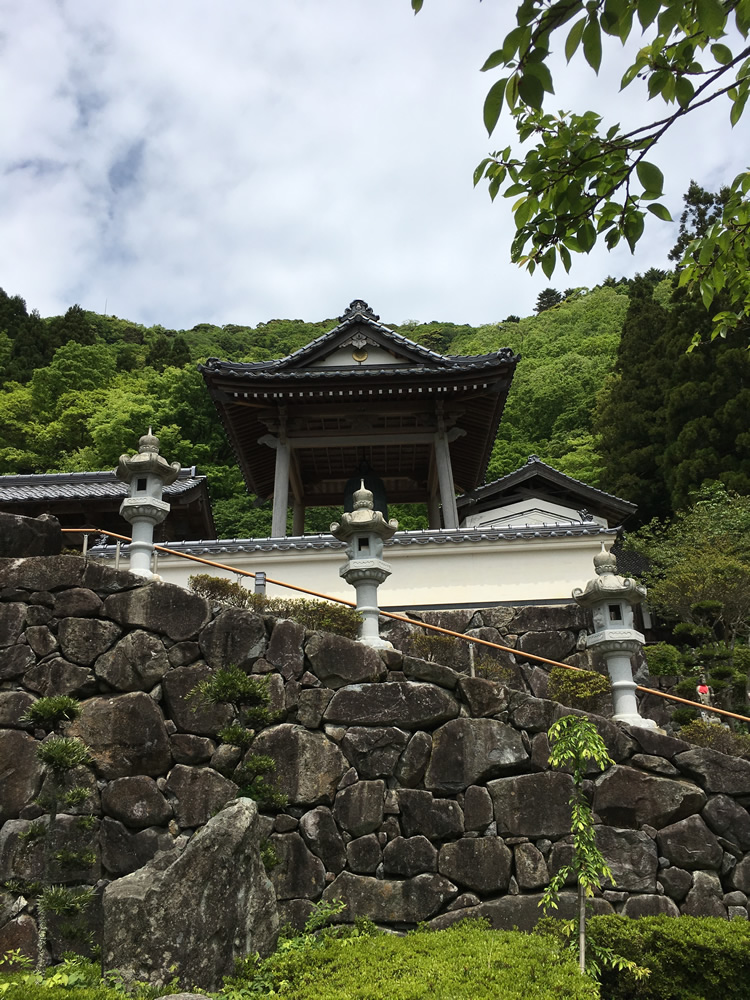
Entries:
{"x":124,"y":852}
{"x":543,"y":618}
{"x":199,"y":911}
{"x":479,"y":863}
{"x":83,"y":639}
{"x":162,"y":608}
{"x":631,"y":856}
{"x":650,"y":906}
{"x":29,"y":536}
{"x":57,"y":676}
{"x":337,"y":661}
{"x":200,"y":792}
{"x":417,"y":669}
{"x":414,"y":760}
{"x":137,"y":663}
{"x":136,"y":801}
{"x":676,"y":882}
{"x":628,"y":798}
{"x":484,"y":697}
{"x":42,"y":573}
{"x":554,"y":644}
{"x":716,"y":772}
{"x":190,"y":712}
{"x":410,"y":705}
{"x":530,"y":868}
{"x":689,"y":844}
{"x":78,"y":602}
{"x":436,"y":819}
{"x":706,"y":898}
{"x":299,"y":873}
{"x":14,"y":661}
{"x":478,"y":810}
{"x":520,"y":912}
{"x":285,"y":650}
{"x":12,"y":618}
{"x":363,"y":855}
{"x":374,"y":751}
{"x":407,"y":856}
{"x":235,"y":637}
{"x":728,"y":819}
{"x":358,"y":809}
{"x":125,"y":734}
{"x":468,"y":751}
{"x":532,"y":805}
{"x":321,"y":835}
{"x":390,"y":902}
{"x":13,"y":707}
{"x":309,"y":766}
{"x":74,"y":849}
{"x":20,"y":771}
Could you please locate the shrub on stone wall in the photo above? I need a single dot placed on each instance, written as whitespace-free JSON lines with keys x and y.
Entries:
{"x":714,"y":736}
{"x":576,"y":687}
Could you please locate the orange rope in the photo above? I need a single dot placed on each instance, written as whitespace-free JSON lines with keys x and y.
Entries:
{"x":409,"y":621}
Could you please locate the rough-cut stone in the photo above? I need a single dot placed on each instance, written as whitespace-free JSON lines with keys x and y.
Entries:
{"x":224,"y":759}
{"x":235,"y":637}
{"x":136,"y":663}
{"x":676,"y":882}
{"x":628,"y":798}
{"x":436,"y":819}
{"x":531,"y":868}
{"x":706,"y":898}
{"x":13,"y":706}
{"x":190,"y":749}
{"x":650,"y":906}
{"x":136,"y":801}
{"x":321,"y":835}
{"x":407,"y":856}
{"x":484,"y":697}
{"x":21,"y":858}
{"x":390,"y":902}
{"x":285,"y":649}
{"x":521,"y":912}
{"x":299,"y":874}
{"x":482,"y":864}
{"x":541,"y":618}
{"x":631,"y":856}
{"x":416,"y":669}
{"x":410,"y":705}
{"x":467,"y":751}
{"x":716,"y":772}
{"x":41,"y":640}
{"x":78,"y":602}
{"x":337,"y":661}
{"x":41,"y":574}
{"x":20,"y":772}
{"x":532,"y":805}
{"x":125,"y":734}
{"x":309,"y":766}
{"x":191,"y":713}
{"x":655,"y":743}
{"x":22,"y":536}
{"x":199,"y":911}
{"x":200,"y":792}
{"x":533,"y":714}
{"x":739,"y":878}
{"x":690,"y":844}
{"x":554,"y":644}
{"x":363,"y":855}
{"x":14,"y":661}
{"x":181,"y":654}
{"x":19,"y":934}
{"x":359,"y":808}
{"x":414,"y":760}
{"x":160,"y":607}
{"x":728,"y":819}
{"x":57,"y":676}
{"x":83,"y":639}
{"x":656,"y":765}
{"x":478,"y":811}
{"x":124,"y":852}
{"x":499,"y":617}
{"x":374,"y":751}
{"x":311,"y":706}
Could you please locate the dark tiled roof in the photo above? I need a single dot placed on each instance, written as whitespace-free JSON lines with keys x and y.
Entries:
{"x":50,"y":486}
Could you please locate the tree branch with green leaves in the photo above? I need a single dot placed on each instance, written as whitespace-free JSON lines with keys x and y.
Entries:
{"x":582,"y":180}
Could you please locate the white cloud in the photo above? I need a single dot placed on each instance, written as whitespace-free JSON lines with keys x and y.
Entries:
{"x":237,"y":161}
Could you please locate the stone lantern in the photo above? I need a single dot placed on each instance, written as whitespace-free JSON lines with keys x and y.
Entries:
{"x":364,"y":530}
{"x":612,"y":599}
{"x":146,"y":473}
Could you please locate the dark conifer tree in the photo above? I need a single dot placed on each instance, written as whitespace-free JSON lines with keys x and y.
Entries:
{"x":548,"y":298}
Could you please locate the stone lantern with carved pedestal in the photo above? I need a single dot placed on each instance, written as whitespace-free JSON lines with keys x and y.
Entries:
{"x":611,"y":599}
{"x":146,"y":473}
{"x":364,"y":530}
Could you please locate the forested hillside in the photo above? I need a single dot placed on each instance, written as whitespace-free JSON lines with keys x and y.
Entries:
{"x":604,"y":392}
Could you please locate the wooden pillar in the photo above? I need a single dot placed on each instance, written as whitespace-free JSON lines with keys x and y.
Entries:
{"x":433,"y":510}
{"x":445,"y":479}
{"x":280,"y":490}
{"x":298,"y":519}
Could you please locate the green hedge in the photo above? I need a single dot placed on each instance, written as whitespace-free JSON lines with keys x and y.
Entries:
{"x":690,"y":958}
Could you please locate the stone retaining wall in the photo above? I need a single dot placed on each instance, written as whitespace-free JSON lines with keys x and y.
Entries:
{"x":415,"y":791}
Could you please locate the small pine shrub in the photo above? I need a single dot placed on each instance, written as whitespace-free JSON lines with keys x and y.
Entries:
{"x":492,"y":670}
{"x":63,"y":753}
{"x":576,"y":687}
{"x":433,"y":646}
{"x":220,"y":589}
{"x":49,"y":712}
{"x":663,"y":659}
{"x":714,"y":736}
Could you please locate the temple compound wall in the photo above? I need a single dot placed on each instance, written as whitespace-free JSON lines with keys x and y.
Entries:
{"x":415,"y":792}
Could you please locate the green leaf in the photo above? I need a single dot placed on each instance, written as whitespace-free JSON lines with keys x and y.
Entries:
{"x":684,"y":91}
{"x":496,"y":59}
{"x":650,"y":177}
{"x":592,"y":44}
{"x":711,"y":17}
{"x":721,"y":53}
{"x":737,"y":108}
{"x":493,"y":104}
{"x":531,"y":90}
{"x":574,"y":38}
{"x":661,"y":212}
{"x":548,"y":262}
{"x":647,"y":11}
{"x":416,"y":5}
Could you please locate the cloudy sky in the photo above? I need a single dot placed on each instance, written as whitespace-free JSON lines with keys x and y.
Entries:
{"x":233,"y":161}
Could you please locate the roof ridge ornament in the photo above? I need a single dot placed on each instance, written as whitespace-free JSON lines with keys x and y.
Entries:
{"x":358,"y":307}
